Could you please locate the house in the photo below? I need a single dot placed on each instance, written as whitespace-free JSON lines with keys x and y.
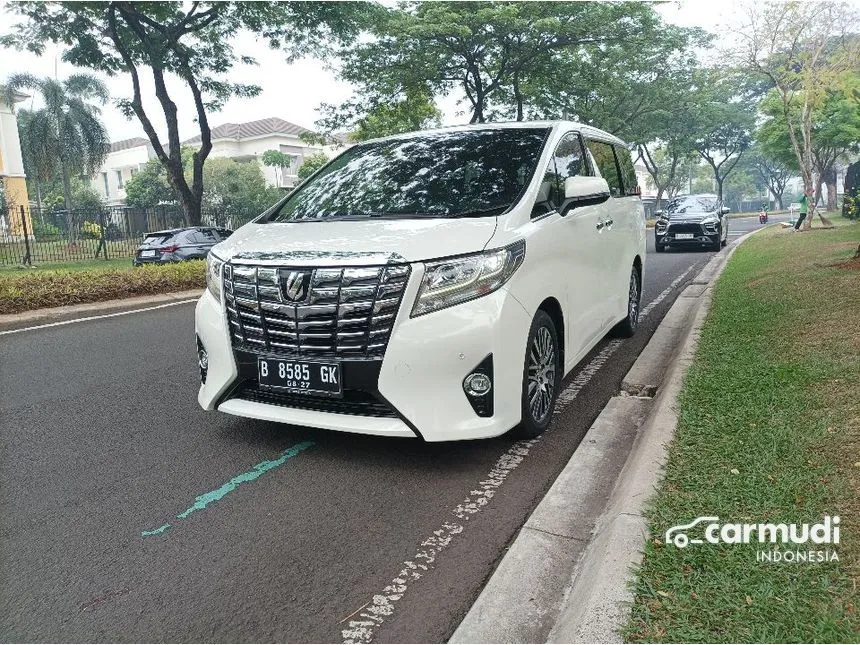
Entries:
{"x":248,"y":141}
{"x":12,"y":174}
{"x":123,"y":161}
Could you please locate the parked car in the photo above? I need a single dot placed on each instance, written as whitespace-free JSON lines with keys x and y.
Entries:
{"x":692,"y":220}
{"x":178,"y":244}
{"x":436,"y":284}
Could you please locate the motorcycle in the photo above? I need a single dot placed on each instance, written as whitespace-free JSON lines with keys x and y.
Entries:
{"x":762,"y":217}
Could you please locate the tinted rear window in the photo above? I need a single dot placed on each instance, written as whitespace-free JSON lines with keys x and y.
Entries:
{"x":156,"y":239}
{"x":444,"y":174}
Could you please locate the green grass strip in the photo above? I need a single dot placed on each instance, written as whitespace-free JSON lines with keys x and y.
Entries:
{"x":768,"y":430}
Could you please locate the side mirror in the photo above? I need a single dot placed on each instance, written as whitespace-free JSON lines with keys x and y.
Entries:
{"x":659,"y":212}
{"x":586,"y":189}
{"x":724,"y":210}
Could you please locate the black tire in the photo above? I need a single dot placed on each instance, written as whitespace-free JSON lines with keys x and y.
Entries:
{"x":717,"y":242}
{"x":542,"y":346}
{"x":627,"y":327}
{"x":660,"y":248}
{"x":726,"y":241}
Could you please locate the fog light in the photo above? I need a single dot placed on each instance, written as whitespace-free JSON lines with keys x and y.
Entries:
{"x":477,"y":384}
{"x":202,"y":360}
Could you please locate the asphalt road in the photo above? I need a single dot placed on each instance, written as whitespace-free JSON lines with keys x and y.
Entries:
{"x":345,"y":537}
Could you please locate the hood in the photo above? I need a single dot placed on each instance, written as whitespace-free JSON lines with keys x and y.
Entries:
{"x":693,"y":216}
{"x":356,"y":242}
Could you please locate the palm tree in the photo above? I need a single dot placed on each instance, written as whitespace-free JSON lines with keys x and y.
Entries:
{"x":68,"y":128}
{"x":37,"y":148}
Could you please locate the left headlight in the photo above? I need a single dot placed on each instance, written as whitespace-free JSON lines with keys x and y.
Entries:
{"x":214,"y":265}
{"x":450,"y":282}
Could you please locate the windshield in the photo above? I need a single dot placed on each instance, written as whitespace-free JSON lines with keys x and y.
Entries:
{"x":692,"y":204}
{"x":443,"y":174}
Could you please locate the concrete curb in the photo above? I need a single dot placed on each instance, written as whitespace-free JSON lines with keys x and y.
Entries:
{"x":9,"y":322}
{"x":585,"y":536}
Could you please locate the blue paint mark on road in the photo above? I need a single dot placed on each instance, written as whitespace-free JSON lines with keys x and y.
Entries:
{"x":158,"y":531}
{"x":204,"y":500}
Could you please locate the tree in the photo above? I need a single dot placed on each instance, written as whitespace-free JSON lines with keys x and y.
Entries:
{"x":414,"y":110}
{"x":311,"y":164}
{"x":278,"y":160}
{"x":67,"y":129}
{"x":802,"y":49}
{"x":723,"y":129}
{"x":190,"y":41}
{"x":37,"y":149}
{"x":835,"y":132}
{"x":149,"y":187}
{"x":665,"y":163}
{"x":486,"y":50}
{"x":773,"y":173}
{"x":628,"y":87}
{"x":236,"y":191}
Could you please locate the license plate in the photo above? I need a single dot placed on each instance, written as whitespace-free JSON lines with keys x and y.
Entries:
{"x":303,"y":377}
{"x":684,"y":236}
{"x":147,"y":254}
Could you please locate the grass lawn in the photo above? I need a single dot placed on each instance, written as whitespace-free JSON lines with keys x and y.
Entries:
{"x":768,"y":431}
{"x":93,"y":281}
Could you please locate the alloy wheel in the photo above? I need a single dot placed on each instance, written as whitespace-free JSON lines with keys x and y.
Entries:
{"x":542,"y":371}
{"x":633,"y":300}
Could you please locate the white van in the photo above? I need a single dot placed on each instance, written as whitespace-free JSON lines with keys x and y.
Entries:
{"x":435,"y":284}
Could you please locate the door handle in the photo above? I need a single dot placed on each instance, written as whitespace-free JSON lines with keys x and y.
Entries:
{"x":609,"y":223}
{"x":599,"y":225}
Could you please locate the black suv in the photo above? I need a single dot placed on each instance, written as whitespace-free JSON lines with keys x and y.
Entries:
{"x":178,"y":244}
{"x":692,"y":220}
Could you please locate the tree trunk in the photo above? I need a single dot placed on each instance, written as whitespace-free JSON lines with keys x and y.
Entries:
{"x":38,"y":186}
{"x":518,"y":96}
{"x":658,"y":203}
{"x":719,"y":188}
{"x":67,"y":196}
{"x":779,"y":201}
{"x":829,"y":178}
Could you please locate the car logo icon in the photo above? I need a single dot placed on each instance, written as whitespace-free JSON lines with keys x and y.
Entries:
{"x":676,"y":536}
{"x":294,"y":286}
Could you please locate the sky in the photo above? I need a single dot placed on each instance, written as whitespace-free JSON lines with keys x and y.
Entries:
{"x":292,"y":92}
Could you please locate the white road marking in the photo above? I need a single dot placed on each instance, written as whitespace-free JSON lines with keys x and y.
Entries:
{"x":77,"y":320}
{"x":362,"y":628}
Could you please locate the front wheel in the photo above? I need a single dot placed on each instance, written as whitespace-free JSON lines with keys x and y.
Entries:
{"x":660,"y":248}
{"x":717,"y":241}
{"x":541,"y":377}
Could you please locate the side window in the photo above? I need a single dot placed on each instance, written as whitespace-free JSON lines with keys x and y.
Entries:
{"x":568,"y":161}
{"x":604,"y":157}
{"x":207,"y":236}
{"x":628,"y":172}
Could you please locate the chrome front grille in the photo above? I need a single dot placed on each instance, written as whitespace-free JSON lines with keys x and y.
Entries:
{"x":345,"y":312}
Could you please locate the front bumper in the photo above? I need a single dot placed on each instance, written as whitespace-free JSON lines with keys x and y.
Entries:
{"x":414,"y":390}
{"x":701,"y":235}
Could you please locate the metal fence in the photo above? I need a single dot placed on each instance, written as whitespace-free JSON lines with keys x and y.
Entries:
{"x":40,"y":236}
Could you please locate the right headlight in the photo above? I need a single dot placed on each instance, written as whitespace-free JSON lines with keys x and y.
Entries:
{"x":214,"y":265}
{"x":450,"y":282}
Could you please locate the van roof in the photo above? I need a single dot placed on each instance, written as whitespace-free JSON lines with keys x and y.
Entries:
{"x":585,"y":129}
